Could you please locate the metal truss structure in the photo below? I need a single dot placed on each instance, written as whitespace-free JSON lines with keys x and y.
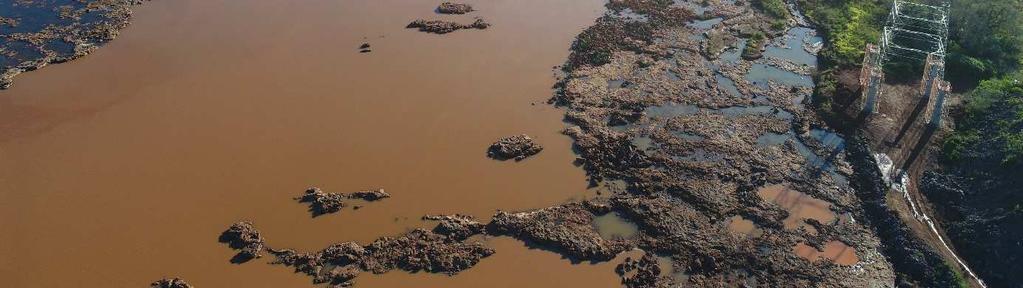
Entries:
{"x":914,"y":31}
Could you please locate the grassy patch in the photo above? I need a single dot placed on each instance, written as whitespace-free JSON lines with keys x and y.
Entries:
{"x":774,"y":8}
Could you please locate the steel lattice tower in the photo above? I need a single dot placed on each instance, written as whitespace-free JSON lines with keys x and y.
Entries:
{"x":914,"y":31}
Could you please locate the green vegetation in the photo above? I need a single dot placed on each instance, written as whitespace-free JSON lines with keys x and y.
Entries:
{"x":960,"y":281}
{"x":753,"y":46}
{"x":991,"y":127}
{"x":984,"y":155}
{"x":848,"y":26}
{"x":956,"y":144}
{"x":774,"y":8}
{"x":986,"y":40}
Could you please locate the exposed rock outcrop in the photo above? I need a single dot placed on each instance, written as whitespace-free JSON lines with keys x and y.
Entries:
{"x":415,"y":251}
{"x":567,"y":229}
{"x":516,"y":147}
{"x":242,"y":236}
{"x":444,"y":27}
{"x":456,"y":226}
{"x":170,"y":283}
{"x":322,"y":202}
{"x":454,"y":8}
{"x":644,"y":272}
{"x":369,"y":195}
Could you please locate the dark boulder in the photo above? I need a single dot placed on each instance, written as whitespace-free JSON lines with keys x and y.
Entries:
{"x":242,"y":236}
{"x":515,"y":147}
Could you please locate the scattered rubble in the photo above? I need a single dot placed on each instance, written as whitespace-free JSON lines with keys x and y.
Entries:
{"x":246,"y":239}
{"x":517,"y":147}
{"x":454,"y":8}
{"x":170,"y":283}
{"x":444,"y":27}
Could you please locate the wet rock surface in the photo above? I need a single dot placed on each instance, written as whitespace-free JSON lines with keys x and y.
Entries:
{"x":170,"y":283}
{"x":321,"y":202}
{"x":456,"y":226}
{"x":642,"y":272}
{"x":516,"y":147}
{"x":444,"y":27}
{"x":415,"y":251}
{"x":34,"y":34}
{"x":567,"y":229}
{"x":454,"y":8}
{"x":369,"y":195}
{"x":242,"y":236}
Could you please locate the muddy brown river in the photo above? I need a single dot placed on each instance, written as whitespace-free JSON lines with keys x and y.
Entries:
{"x":122,"y":167}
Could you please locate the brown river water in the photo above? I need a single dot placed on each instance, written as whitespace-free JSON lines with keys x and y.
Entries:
{"x":123,"y":167}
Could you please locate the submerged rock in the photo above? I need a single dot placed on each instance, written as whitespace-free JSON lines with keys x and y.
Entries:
{"x":454,"y":8}
{"x":444,"y":27}
{"x":322,"y":202}
{"x":242,"y":236}
{"x":170,"y":283}
{"x":515,"y":147}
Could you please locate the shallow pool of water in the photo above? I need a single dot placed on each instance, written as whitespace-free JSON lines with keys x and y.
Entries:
{"x":791,"y":47}
{"x":799,"y":205}
{"x":743,"y":227}
{"x":671,"y":111}
{"x":727,"y":84}
{"x":613,"y":226}
{"x":705,"y":24}
{"x":834,"y":251}
{"x":761,"y":74}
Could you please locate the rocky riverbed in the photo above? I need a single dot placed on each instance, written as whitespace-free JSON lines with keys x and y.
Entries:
{"x":659,"y":100}
{"x":34,"y":34}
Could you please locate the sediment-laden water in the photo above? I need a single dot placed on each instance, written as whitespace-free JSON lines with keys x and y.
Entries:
{"x":123,"y":166}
